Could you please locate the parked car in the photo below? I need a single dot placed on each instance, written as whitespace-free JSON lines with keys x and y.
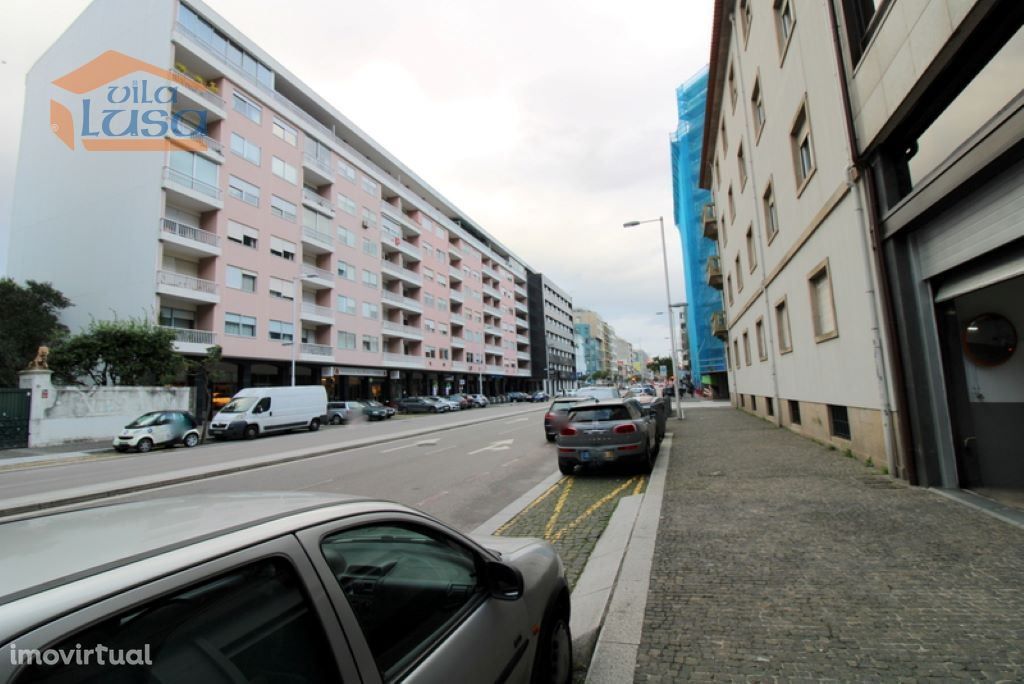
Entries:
{"x":539,"y":396}
{"x":442,"y":405}
{"x":158,"y":428}
{"x":388,"y":411}
{"x":341,"y":412}
{"x":356,"y":411}
{"x":518,"y":396}
{"x":478,"y":400}
{"x":417,"y":405}
{"x":642,"y":390}
{"x":453,"y":404}
{"x":558,"y":412}
{"x":257,"y":410}
{"x":611,"y":431}
{"x":599,"y":392}
{"x":278,"y":587}
{"x":463,"y":400}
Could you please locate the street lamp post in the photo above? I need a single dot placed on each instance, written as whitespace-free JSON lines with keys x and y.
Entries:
{"x":668,"y":304}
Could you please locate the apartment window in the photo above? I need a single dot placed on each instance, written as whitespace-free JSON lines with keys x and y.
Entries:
{"x":282,"y":248}
{"x":346,"y":270}
{"x":741,"y":164}
{"x":248,"y":108}
{"x":371,"y":310}
{"x":369,"y":217}
{"x":736,"y":352}
{"x":785,"y":20}
{"x":316,"y":221}
{"x":194,"y":168}
{"x":771,"y":212}
{"x":859,"y":15}
{"x":732,"y":205}
{"x":370,"y":247}
{"x":823,"y":313}
{"x":721,"y":231}
{"x":346,"y":340}
{"x":286,"y":133}
{"x":243,"y":234}
{"x":803,"y":148}
{"x":839,"y":421}
{"x":246,"y":149}
{"x":794,"y":412}
{"x":239,"y":325}
{"x":430,"y":352}
{"x":782,"y":327}
{"x":371,"y":186}
{"x":346,"y":305}
{"x":442,"y":328}
{"x":243,"y":190}
{"x":284,"y":170}
{"x":762,"y":346}
{"x":725,"y":138}
{"x":283,"y":208}
{"x":746,"y":347}
{"x":347,"y":204}
{"x":751,"y":249}
{"x":346,"y":170}
{"x":733,"y":92}
{"x":370,"y":279}
{"x":442,"y":304}
{"x":371,"y":343}
{"x":441,"y":280}
{"x":445,"y":354}
{"x":282,"y":289}
{"x":428,"y":273}
{"x":428,"y":299}
{"x":739,"y":274}
{"x":716,"y":172}
{"x":177,"y":318}
{"x":240,"y":279}
{"x":281,"y":331}
{"x":346,"y":237}
{"x":757,"y":107}
{"x":428,"y":325}
{"x":746,"y":17}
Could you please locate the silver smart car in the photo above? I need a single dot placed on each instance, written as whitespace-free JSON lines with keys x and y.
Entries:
{"x":611,"y":431}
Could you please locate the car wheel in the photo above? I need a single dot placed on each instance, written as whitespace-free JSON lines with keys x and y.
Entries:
{"x":647,"y":464}
{"x":335,"y":419}
{"x":191,"y":440}
{"x":251,"y":432}
{"x":566,"y":467}
{"x":314,"y":425}
{"x":551,"y":438}
{"x":553,"y":663}
{"x":145,"y":445}
{"x":433,"y":409}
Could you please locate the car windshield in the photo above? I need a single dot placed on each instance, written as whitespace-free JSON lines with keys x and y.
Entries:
{"x":599,"y":413}
{"x":240,"y":405}
{"x":600,"y":392}
{"x":564,"y":406}
{"x":145,"y":420}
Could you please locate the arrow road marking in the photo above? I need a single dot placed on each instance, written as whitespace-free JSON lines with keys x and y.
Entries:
{"x":500,"y":445}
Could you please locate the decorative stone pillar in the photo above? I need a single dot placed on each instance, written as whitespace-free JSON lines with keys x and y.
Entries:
{"x":44,"y":396}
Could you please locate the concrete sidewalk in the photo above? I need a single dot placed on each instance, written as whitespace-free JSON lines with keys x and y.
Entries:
{"x":779,"y":559}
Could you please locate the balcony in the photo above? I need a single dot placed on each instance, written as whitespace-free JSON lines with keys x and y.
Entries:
{"x":455,"y":296}
{"x":318,"y":278}
{"x":188,"y":240}
{"x":188,"y":341}
{"x":457,"y":319}
{"x":522,"y":339}
{"x":491,"y":349}
{"x":522,"y":324}
{"x":524,"y":355}
{"x":316,"y":241}
{"x":393,"y":242}
{"x":455,"y":274}
{"x":313,"y":313}
{"x":397,"y":271}
{"x":520,"y":291}
{"x":403,"y":360}
{"x":397,"y":300}
{"x":458,"y":342}
{"x":492,"y":330}
{"x":719,"y":328}
{"x":318,"y":170}
{"x":494,"y":369}
{"x":409,"y":332}
{"x":490,"y":273}
{"x":490,"y":291}
{"x":191,"y":193}
{"x":455,"y":254}
{"x":316,"y":352}
{"x":461,"y":366}
{"x":710,"y":221}
{"x":192,"y":95}
{"x":523,"y":372}
{"x":714,"y":272}
{"x":490,"y":310}
{"x":317,"y":203}
{"x":521,"y":306}
{"x":181,"y":131}
{"x":398,"y":215}
{"x":187,"y":287}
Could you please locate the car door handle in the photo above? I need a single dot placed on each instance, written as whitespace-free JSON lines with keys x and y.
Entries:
{"x":270,"y":413}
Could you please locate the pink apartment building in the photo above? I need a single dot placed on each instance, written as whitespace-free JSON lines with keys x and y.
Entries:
{"x":291,"y":234}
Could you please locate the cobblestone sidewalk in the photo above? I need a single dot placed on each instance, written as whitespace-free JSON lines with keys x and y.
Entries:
{"x":778,"y":559}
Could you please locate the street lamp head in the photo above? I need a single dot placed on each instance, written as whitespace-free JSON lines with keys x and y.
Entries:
{"x":630,"y":224}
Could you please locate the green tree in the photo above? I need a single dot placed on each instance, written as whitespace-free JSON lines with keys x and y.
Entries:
{"x":118,"y":353}
{"x":655,"y":364}
{"x":29,"y":318}
{"x":600,"y":375}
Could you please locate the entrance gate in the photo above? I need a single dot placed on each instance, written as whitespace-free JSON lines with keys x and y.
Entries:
{"x":14,"y":415}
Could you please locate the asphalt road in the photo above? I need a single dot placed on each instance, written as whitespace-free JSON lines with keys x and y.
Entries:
{"x":463,"y":475}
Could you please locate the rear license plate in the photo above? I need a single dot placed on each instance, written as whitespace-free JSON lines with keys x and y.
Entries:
{"x":584,"y":455}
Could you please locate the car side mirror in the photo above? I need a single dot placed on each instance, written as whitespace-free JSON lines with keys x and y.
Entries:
{"x":504,"y":582}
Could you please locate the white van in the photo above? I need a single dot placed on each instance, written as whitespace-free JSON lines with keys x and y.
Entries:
{"x":255,"y":410}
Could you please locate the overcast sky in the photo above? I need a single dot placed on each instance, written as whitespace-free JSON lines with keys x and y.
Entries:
{"x":546,"y":122}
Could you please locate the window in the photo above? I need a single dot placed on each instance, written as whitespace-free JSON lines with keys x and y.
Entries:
{"x":739,"y":274}
{"x":428,"y":273}
{"x":823,"y":314}
{"x":243,"y":234}
{"x":240,"y":279}
{"x":177,"y":318}
{"x":746,"y":16}
{"x":794,"y":412}
{"x":369,"y":217}
{"x":803,"y":148}
{"x":371,"y":187}
{"x":741,"y":164}
{"x":430,"y":352}
{"x":286,"y":133}
{"x":725,"y":138}
{"x":346,"y":170}
{"x":346,"y":305}
{"x":839,"y":421}
{"x":753,"y":403}
{"x":282,"y":248}
{"x":371,"y":343}
{"x":370,"y":279}
{"x":771,"y":212}
{"x":762,"y":347}
{"x":245,"y":149}
{"x":347,"y":205}
{"x":743,"y":400}
{"x":732,"y":205}
{"x":736,"y":352}
{"x":746,"y":347}
{"x":782,"y":327}
{"x":428,"y":325}
{"x":243,"y":190}
{"x":716,"y":173}
{"x":859,"y":15}
{"x":195,"y":171}
{"x":370,"y":247}
{"x":247,"y":108}
{"x":283,"y":289}
{"x":757,"y":108}
{"x":784,"y":23}
{"x":239,"y":325}
{"x":371,"y":310}
{"x":442,"y":304}
{"x":728,"y":281}
{"x":733,"y":92}
{"x":346,"y":340}
{"x":401,"y":625}
{"x":346,"y":237}
{"x":275,"y":634}
{"x":346,"y":270}
{"x":283,"y":208}
{"x":751,"y":249}
{"x":428,"y":299}
{"x":284,"y":170}
{"x":280,"y":330}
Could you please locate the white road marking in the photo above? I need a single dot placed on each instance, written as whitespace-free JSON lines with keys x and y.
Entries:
{"x":427,"y":442}
{"x":516,"y":420}
{"x":500,"y":445}
{"x":397,"y":448}
{"x":429,"y":499}
{"x":506,"y":465}
{"x":437,"y":451}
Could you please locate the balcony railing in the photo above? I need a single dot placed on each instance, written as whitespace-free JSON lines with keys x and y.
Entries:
{"x":460,"y":366}
{"x":492,"y":330}
{"x":317,"y":163}
{"x":319,"y":236}
{"x":714,"y":272}
{"x":316,"y":349}
{"x":401,"y":328}
{"x":320,"y":202}
{"x":310,"y":271}
{"x":401,"y":272}
{"x":401,"y":243}
{"x":492,"y":311}
{"x":458,"y":341}
{"x":457,"y":319}
{"x":186,"y":282}
{"x":492,"y":292}
{"x":196,"y":134}
{"x":719,"y":328}
{"x":189,"y":336}
{"x":491,"y":349}
{"x":522,"y":339}
{"x":520,"y":290}
{"x":192,"y":183}
{"x":204,"y":92}
{"x":316,"y":310}
{"x":454,"y":253}
{"x":710,"y":221}
{"x":190,"y":232}
{"x":404,"y":359}
{"x":390,"y":296}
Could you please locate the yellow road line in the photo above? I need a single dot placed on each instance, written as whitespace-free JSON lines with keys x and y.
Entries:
{"x":593,"y":507}
{"x":515,"y":518}
{"x":559,"y":505}
{"x":640,"y":485}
